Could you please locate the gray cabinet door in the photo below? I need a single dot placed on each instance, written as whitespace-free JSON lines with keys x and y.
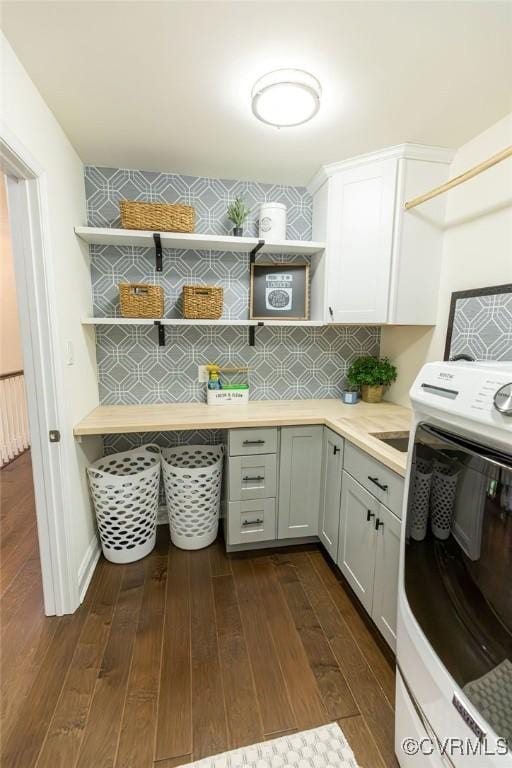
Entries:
{"x":299,"y":481}
{"x":386,"y":574}
{"x":356,"y":549}
{"x":330,"y":496}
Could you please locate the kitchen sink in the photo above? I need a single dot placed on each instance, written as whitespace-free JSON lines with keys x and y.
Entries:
{"x":397,"y":440}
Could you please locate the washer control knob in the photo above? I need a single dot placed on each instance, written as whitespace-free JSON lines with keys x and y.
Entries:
{"x":503,"y":399}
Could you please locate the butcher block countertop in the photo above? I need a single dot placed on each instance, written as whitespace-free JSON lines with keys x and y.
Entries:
{"x":357,"y":423}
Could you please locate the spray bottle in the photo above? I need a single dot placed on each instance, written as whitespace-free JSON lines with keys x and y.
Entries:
{"x":214,"y":379}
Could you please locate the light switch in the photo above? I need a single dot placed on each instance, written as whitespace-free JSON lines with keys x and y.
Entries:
{"x":202,"y":374}
{"x":70,"y":356}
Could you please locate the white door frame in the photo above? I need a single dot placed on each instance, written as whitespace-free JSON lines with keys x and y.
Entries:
{"x":31,"y":248}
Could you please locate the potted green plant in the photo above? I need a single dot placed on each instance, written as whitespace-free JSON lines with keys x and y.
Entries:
{"x":371,"y":374}
{"x":237,"y":213}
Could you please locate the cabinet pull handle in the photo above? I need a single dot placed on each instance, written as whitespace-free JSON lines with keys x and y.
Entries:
{"x":378,"y":524}
{"x":379,"y":485}
{"x":247,"y":479}
{"x":369,"y":515}
{"x":336,"y":450}
{"x":252,"y":522}
{"x":331,"y":312}
{"x":254,"y":442}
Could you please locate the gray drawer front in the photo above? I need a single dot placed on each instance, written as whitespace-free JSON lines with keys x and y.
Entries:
{"x":246,"y":442}
{"x":250,"y":521}
{"x":372,"y":475}
{"x":252,"y":477}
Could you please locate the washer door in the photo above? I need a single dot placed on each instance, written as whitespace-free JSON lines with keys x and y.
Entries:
{"x":458,"y":565}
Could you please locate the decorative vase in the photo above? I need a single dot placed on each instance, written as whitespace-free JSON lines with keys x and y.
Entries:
{"x":372,"y":394}
{"x":238,"y":232}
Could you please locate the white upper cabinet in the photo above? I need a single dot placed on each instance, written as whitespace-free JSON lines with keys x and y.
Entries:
{"x":381,"y":263}
{"x":361,"y":236}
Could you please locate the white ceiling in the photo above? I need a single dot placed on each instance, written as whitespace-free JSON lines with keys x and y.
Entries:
{"x":166,"y":85}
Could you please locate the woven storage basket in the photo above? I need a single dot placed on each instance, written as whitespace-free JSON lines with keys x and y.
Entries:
{"x":161,"y":217}
{"x":141,"y":300}
{"x":202,"y":302}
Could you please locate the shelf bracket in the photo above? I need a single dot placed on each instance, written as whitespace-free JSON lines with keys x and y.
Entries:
{"x":252,"y":333}
{"x":255,"y":250}
{"x":158,"y":251}
{"x":252,"y":260}
{"x":161,"y":333}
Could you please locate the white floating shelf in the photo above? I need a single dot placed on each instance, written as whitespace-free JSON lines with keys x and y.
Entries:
{"x":180,"y":321}
{"x":107,"y":236}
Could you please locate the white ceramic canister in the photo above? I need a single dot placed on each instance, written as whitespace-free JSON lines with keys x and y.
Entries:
{"x":272,"y":221}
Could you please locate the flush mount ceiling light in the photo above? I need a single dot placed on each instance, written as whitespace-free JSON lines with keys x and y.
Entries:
{"x":286,"y":97}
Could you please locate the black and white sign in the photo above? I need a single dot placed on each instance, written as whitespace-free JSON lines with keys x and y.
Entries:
{"x":279,"y":291}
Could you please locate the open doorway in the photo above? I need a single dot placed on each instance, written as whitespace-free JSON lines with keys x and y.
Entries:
{"x":37,"y":488}
{"x":20,"y":571}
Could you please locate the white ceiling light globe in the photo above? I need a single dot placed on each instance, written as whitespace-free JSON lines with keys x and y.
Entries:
{"x":286,"y":97}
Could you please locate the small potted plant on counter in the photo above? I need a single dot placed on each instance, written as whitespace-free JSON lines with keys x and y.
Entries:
{"x":371,"y":374}
{"x":237,"y":214}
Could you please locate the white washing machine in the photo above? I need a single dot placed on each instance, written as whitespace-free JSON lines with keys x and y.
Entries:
{"x":454,"y":644}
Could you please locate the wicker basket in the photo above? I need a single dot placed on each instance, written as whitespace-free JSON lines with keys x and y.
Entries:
{"x":141,"y":300}
{"x":161,"y":217}
{"x":202,"y":302}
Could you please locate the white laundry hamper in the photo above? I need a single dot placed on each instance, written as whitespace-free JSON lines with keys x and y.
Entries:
{"x":192,"y":481}
{"x":125,"y":488}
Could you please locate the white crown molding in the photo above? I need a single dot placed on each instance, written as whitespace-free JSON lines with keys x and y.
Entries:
{"x":399,"y":151}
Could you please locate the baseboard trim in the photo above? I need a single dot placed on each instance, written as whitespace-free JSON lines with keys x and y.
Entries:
{"x":87,"y":566}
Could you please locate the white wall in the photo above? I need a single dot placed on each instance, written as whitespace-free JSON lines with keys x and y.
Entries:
{"x":11,"y":358}
{"x":477,"y":251}
{"x":27,"y":117}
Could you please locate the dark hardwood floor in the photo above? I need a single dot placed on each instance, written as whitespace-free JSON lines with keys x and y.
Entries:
{"x":182,"y":655}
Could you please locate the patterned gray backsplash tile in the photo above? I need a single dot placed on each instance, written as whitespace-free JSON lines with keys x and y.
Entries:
{"x":104,"y":187}
{"x":111,"y":265}
{"x":482,"y":327}
{"x":286,"y":363}
{"x":115,"y":443}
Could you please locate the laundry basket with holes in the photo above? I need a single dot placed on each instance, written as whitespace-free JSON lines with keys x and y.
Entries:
{"x":192,"y":480}
{"x":125,"y":488}
{"x":421,"y":499}
{"x":442,"y":498}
